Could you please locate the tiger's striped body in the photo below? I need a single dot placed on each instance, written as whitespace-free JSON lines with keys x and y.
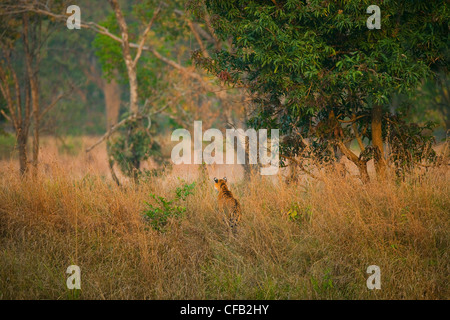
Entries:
{"x":228,"y":203}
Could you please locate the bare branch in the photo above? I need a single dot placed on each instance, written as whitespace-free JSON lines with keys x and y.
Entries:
{"x":197,"y":28}
{"x":7,"y":94}
{"x":88,"y":25}
{"x":353,"y":119}
{"x":358,"y":137}
{"x":348,"y":153}
{"x":144,"y":35}
{"x":6,"y":116}
{"x":112,"y":130}
{"x":17,"y":88}
{"x":197,"y":37}
{"x":211,"y":30}
{"x":102,"y":30}
{"x":52,"y":104}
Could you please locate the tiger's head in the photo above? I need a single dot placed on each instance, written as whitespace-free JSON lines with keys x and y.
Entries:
{"x":219,"y":182}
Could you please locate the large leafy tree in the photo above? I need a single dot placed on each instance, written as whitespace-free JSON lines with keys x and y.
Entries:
{"x":165,"y":83}
{"x":162,"y":32}
{"x":320,"y":75}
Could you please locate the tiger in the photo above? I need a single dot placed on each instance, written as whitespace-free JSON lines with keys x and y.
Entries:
{"x":228,"y":203}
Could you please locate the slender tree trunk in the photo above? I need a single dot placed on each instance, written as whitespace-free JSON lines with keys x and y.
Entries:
{"x":133,"y":89}
{"x":19,"y":118}
{"x":131,"y":66}
{"x":293,"y":173}
{"x":34,"y":89}
{"x":111,"y":166}
{"x":22,"y":139}
{"x":377,"y":141}
{"x":111,"y":91}
{"x":37,"y":124}
{"x":447,"y":124}
{"x":249,"y":169}
{"x":364,"y":174}
{"x":22,"y":133}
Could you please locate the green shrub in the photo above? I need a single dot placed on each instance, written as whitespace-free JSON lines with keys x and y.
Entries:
{"x":158,"y":215}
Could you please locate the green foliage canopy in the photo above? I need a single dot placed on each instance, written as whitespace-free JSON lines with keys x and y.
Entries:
{"x":313,"y":65}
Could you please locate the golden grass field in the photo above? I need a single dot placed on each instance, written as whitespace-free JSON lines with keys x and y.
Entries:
{"x":311,"y":240}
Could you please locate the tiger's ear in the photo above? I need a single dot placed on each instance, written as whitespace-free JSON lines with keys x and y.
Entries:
{"x":215,"y":180}
{"x":225,"y":179}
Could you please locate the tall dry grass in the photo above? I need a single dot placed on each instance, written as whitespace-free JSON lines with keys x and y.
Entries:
{"x":313,"y":240}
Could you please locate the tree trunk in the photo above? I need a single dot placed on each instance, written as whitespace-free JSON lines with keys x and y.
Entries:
{"x":249,"y":169}
{"x":447,"y":124}
{"x":133,"y":88}
{"x":111,"y":91}
{"x":131,"y":67}
{"x":111,"y":165}
{"x":364,"y":174}
{"x":22,"y":138}
{"x":34,"y":93}
{"x":19,"y":118}
{"x":377,"y":141}
{"x":36,"y":117}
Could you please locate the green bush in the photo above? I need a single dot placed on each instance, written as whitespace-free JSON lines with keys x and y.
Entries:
{"x":159,"y":214}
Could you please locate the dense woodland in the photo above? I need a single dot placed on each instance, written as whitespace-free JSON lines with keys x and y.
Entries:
{"x":86,"y":116}
{"x":327,"y":80}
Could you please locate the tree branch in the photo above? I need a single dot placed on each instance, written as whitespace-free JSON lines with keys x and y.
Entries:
{"x":144,"y":35}
{"x":52,"y":104}
{"x":7,"y":94}
{"x":102,"y":30}
{"x":353,"y":119}
{"x":211,"y":30}
{"x":358,"y":137}
{"x":348,"y":153}
{"x":112,"y":130}
{"x":197,"y":37}
{"x":6,"y":116}
{"x":132,"y":117}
